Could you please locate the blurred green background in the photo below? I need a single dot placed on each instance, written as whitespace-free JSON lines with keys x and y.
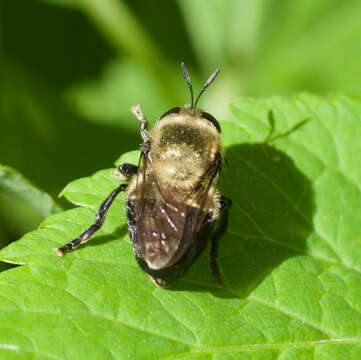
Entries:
{"x":71,"y":69}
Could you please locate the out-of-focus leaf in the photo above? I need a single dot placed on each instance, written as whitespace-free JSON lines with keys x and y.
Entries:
{"x":14,"y":184}
{"x":44,"y":139}
{"x":65,"y":3}
{"x":310,"y":45}
{"x":290,"y":256}
{"x":22,"y":205}
{"x":222,"y":31}
{"x":267,"y":47}
{"x":123,"y":84}
{"x":126,"y":33}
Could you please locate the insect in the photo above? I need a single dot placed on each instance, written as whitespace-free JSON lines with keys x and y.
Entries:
{"x":172,"y":201}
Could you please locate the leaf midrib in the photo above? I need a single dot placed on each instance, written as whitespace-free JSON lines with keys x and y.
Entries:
{"x":239,"y":348}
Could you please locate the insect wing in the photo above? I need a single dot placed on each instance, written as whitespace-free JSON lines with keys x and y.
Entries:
{"x":160,"y":218}
{"x":204,"y":195}
{"x":167,"y":221}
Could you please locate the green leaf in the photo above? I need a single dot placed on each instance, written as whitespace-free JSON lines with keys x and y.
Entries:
{"x":272,"y":46}
{"x":290,"y":257}
{"x":22,"y":205}
{"x":65,"y":3}
{"x":295,"y":43}
{"x":14,"y":184}
{"x":104,"y":101}
{"x":212,"y":25}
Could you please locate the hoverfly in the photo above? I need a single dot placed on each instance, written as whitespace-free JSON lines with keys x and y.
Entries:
{"x":172,"y":201}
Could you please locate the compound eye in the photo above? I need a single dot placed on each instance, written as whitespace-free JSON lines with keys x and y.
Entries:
{"x":211,"y":118}
{"x":174,"y":110}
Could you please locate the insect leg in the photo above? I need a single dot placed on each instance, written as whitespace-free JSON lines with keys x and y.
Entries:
{"x":137,"y":111}
{"x":124,"y":171}
{"x":225,"y":205}
{"x":99,"y":220}
{"x":128,"y":170}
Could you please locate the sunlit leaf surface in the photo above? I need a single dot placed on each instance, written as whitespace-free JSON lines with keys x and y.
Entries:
{"x":291,"y":256}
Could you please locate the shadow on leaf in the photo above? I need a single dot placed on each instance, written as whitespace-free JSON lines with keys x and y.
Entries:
{"x":269,"y":221}
{"x":119,"y":233}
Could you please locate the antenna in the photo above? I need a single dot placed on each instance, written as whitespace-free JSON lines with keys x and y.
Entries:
{"x":207,"y":83}
{"x":188,"y":79}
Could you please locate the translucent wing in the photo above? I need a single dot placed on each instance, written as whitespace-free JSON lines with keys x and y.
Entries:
{"x":167,"y":219}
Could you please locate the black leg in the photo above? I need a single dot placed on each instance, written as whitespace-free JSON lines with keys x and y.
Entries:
{"x":225,"y":205}
{"x":99,"y":220}
{"x":128,"y":170}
